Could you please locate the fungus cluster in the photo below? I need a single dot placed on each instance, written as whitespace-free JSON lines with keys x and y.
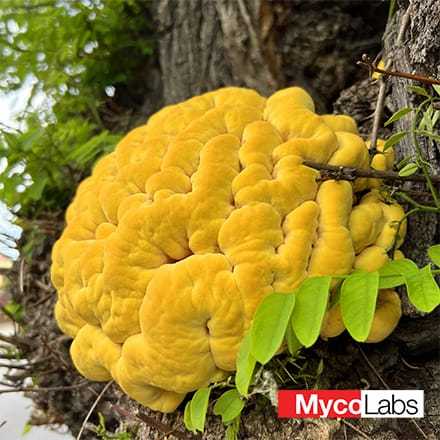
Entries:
{"x":177,"y":236}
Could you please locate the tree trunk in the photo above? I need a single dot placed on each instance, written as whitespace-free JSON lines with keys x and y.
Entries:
{"x":264,"y":44}
{"x":419,"y":52}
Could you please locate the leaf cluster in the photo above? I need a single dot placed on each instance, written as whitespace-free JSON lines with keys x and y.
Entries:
{"x":293,"y":320}
{"x":73,"y":57}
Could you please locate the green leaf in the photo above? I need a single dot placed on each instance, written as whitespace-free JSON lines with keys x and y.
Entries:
{"x":229,"y":406}
{"x":390,"y":277}
{"x":403,"y":267}
{"x":394,"y":139}
{"x":232,"y":429}
{"x":358,"y":303}
{"x":435,"y":118}
{"x":436,"y":87}
{"x":187,"y":418}
{"x":398,"y":115}
{"x":423,"y":291}
{"x":419,"y":91}
{"x":26,"y":429}
{"x":245,"y":366}
{"x":408,"y":170}
{"x":35,"y":191}
{"x":293,"y":344}
{"x":310,"y":307}
{"x":434,"y":254}
{"x":199,"y":407}
{"x":429,"y":134}
{"x":14,"y":310}
{"x":269,"y":325}
{"x":394,"y":272}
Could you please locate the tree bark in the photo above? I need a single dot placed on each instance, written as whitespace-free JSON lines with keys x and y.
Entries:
{"x":264,"y":44}
{"x":204,"y":45}
{"x":419,"y":52}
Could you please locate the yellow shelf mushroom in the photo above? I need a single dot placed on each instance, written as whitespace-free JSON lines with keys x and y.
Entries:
{"x":176,"y":237}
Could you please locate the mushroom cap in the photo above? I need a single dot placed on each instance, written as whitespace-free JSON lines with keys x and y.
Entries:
{"x":177,"y":236}
{"x":386,"y":317}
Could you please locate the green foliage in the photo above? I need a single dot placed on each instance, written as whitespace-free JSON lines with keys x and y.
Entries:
{"x":245,"y":366}
{"x":103,"y":434}
{"x":14,"y":310}
{"x":51,"y":157}
{"x":232,"y":429}
{"x":358,"y":303}
{"x":72,"y":47}
{"x":195,"y":410}
{"x":310,"y":307}
{"x":394,"y":139}
{"x":409,"y":169}
{"x":293,"y":343}
{"x":26,"y":429}
{"x":423,"y":291}
{"x":398,"y":115}
{"x":73,"y":55}
{"x":270,"y":324}
{"x":297,"y":317}
{"x":434,"y":254}
{"x":229,"y":406}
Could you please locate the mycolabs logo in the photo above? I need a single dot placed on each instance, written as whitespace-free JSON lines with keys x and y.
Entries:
{"x":353,"y":404}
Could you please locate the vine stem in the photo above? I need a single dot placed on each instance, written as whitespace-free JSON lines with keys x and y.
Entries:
{"x":416,"y":205}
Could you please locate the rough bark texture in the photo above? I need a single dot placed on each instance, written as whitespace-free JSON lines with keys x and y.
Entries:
{"x":264,"y":44}
{"x":420,"y":52}
{"x":205,"y":44}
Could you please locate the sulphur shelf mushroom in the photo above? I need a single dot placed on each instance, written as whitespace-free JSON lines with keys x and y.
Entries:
{"x":177,"y":236}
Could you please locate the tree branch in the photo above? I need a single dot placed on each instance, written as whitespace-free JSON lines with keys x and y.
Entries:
{"x":162,"y":427}
{"x":349,"y":173}
{"x":41,"y":389}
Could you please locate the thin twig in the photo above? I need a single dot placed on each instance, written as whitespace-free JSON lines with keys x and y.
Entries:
{"x":387,"y":387}
{"x":373,"y":368}
{"x":150,"y":421}
{"x":418,"y":428}
{"x":378,"y":112}
{"x":372,"y":67}
{"x":15,"y":367}
{"x":380,"y":103}
{"x":16,"y":340}
{"x":21,"y":277}
{"x":40,"y":389}
{"x":350,"y":425}
{"x":41,"y":301}
{"x":43,"y":286}
{"x":408,"y":365}
{"x":92,"y":408}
